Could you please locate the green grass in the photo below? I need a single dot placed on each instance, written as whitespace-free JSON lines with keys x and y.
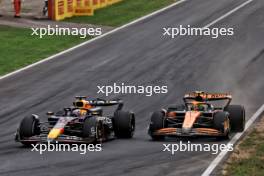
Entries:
{"x":253,"y":164}
{"x":122,"y":12}
{"x":18,"y":48}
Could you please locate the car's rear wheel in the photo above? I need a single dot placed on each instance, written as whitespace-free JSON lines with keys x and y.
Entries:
{"x":157,"y":122}
{"x":237,"y":117}
{"x":124,"y":124}
{"x":222,"y":123}
{"x":29,"y":127}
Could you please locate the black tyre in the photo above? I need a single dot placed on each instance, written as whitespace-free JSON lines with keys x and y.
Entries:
{"x":237,"y":117}
{"x":222,"y":123}
{"x":29,"y":127}
{"x":90,"y":128}
{"x":124,"y":124}
{"x":157,"y":122}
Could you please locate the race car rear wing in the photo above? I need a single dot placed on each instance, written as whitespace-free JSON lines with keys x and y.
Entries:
{"x":204,"y":97}
{"x":101,"y":102}
{"x":81,"y":100}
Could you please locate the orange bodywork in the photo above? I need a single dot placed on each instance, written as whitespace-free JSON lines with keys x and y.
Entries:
{"x":209,"y":95}
{"x":196,"y":104}
{"x":167,"y":130}
{"x":208,"y":131}
{"x":171,"y":115}
{"x":190,"y":118}
{"x":196,"y":130}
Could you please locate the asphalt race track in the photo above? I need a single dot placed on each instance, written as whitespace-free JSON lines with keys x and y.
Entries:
{"x":138,"y":55}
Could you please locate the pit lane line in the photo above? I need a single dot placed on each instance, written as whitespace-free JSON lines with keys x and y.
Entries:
{"x":233,"y":141}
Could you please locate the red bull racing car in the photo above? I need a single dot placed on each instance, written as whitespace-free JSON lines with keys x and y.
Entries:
{"x":198,"y":116}
{"x":84,"y":122}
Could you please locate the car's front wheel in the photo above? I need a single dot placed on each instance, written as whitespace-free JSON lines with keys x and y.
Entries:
{"x":157,"y":122}
{"x":29,"y":127}
{"x":221,"y":122}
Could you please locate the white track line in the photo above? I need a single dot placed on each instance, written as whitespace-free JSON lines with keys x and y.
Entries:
{"x":233,"y":141}
{"x":228,"y":14}
{"x":94,"y":39}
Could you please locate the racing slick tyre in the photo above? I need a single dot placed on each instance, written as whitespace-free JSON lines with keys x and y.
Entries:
{"x":237,"y":117}
{"x":92,"y":129}
{"x":124,"y":124}
{"x":29,"y":127}
{"x":157,"y":122}
{"x":222,"y":123}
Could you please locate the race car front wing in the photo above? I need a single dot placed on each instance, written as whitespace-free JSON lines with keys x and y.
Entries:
{"x":191,"y":132}
{"x":42,"y":138}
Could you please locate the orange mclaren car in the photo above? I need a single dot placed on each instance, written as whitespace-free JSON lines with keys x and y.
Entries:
{"x":202,"y":114}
